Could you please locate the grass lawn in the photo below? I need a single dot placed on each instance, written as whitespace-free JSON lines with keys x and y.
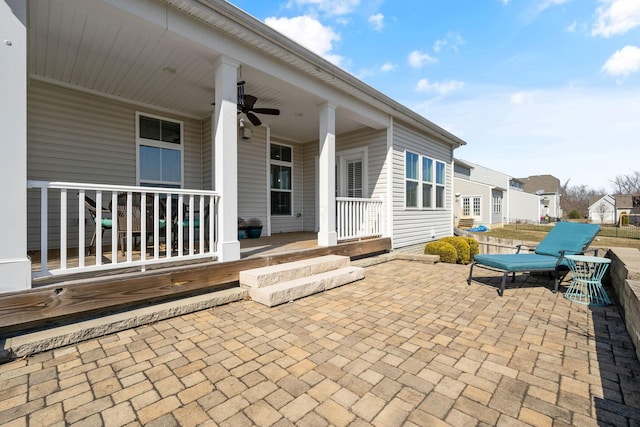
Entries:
{"x":510,"y":232}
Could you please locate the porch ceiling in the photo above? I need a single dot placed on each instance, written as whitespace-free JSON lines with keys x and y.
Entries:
{"x":96,"y":47}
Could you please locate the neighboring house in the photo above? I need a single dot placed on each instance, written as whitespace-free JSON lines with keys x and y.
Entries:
{"x":609,"y":209}
{"x":490,"y":197}
{"x":602,"y":209}
{"x":547,"y":187}
{"x":135,"y":105}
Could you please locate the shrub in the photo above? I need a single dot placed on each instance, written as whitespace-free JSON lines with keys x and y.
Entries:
{"x":574,"y":214}
{"x":463,"y":251}
{"x":446,"y":251}
{"x":474,"y":247}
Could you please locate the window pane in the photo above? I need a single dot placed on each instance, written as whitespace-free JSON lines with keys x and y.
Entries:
{"x":476,"y":206}
{"x":280,"y":203}
{"x":439,"y":173}
{"x":439,"y":197}
{"x":466,"y":207}
{"x":150,"y":161}
{"x":281,"y":153}
{"x":171,"y":165}
{"x":427,"y":169}
{"x":149,"y":128}
{"x":426,"y":195}
{"x":281,"y":177}
{"x":412,"y":166}
{"x":354,"y":178}
{"x":412,"y":194}
{"x":170,"y":132}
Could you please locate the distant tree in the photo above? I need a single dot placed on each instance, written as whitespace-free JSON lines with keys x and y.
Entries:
{"x":627,"y":184}
{"x":574,"y":214}
{"x":577,"y":198}
{"x":602,"y":212}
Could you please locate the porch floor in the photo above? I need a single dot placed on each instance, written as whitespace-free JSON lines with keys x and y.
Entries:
{"x":264,"y":246}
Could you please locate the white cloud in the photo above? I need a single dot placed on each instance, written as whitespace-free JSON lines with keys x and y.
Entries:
{"x":566,"y":132}
{"x":453,"y":40}
{"x":417,"y":59}
{"x":521,"y":97}
{"x":623,"y":62}
{"x":505,"y":2}
{"x":377,"y":21}
{"x":572,"y":28}
{"x":616,"y":17}
{"x":310,"y":33}
{"x":441,"y":88}
{"x":328,"y":7}
{"x":388,"y":66}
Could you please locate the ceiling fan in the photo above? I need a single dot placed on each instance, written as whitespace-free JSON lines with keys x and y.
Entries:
{"x":246,"y":105}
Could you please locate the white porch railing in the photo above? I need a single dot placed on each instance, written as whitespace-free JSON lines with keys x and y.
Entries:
{"x":359,"y":218}
{"x":124,"y":213}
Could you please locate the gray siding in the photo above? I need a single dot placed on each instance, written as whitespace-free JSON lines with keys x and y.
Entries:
{"x":413,"y":226}
{"x":78,"y":137}
{"x":252,"y":177}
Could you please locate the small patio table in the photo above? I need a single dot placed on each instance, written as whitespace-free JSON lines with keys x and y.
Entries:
{"x":586,"y":280}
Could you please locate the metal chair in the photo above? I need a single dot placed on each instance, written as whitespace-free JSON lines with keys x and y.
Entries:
{"x":105,"y":223}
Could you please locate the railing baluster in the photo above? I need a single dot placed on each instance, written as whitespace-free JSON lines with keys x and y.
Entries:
{"x":98,"y":241}
{"x":81,"y":234}
{"x":115,"y":224}
{"x":44,"y":229}
{"x":63,"y":229}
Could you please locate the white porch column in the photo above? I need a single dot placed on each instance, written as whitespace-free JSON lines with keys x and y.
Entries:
{"x":327,"y":235}
{"x":15,"y":267}
{"x":226,"y":157}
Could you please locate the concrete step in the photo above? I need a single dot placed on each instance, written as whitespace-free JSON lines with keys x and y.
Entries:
{"x":267,"y":276}
{"x":27,"y":343}
{"x":303,"y":286}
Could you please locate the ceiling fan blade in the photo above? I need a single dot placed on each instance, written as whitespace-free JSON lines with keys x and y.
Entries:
{"x":249,"y":101}
{"x":272,"y":111}
{"x":253,"y":119}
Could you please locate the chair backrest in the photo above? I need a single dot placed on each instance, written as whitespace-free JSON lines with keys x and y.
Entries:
{"x":90,"y":204}
{"x":573,"y":238}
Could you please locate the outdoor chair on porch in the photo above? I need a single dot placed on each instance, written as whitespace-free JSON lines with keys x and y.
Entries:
{"x":185,"y":225}
{"x":105,"y":223}
{"x":136,"y":220}
{"x":565,"y":238}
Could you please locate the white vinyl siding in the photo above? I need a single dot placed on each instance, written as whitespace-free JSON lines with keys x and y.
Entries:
{"x":415,"y":226}
{"x":78,"y":137}
{"x":252,"y":177}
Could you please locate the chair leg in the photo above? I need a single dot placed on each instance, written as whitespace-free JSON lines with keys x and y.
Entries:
{"x":504,"y":283}
{"x":470,"y":273}
{"x":93,"y":240}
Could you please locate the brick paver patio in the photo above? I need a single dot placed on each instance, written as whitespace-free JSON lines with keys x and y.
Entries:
{"x":411,"y":344}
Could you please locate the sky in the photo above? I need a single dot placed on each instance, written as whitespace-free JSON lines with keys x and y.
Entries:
{"x":533,"y":86}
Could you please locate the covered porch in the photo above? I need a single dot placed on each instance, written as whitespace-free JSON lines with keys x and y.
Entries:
{"x":143,"y":110}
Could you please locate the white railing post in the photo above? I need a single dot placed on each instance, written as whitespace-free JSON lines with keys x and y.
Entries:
{"x":63,"y":229}
{"x":81,"y":234}
{"x":44,"y":228}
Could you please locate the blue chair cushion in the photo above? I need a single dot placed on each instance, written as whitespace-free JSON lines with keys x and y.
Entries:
{"x":519,"y":262}
{"x":106,"y":222}
{"x":570,"y":237}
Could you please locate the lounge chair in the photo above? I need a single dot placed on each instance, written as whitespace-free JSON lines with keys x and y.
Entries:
{"x":565,"y":238}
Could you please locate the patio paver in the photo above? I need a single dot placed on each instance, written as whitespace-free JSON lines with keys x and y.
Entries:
{"x":411,"y":344}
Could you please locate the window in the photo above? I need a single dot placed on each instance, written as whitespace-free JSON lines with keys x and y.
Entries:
{"x":422,"y":188}
{"x":354,"y":178}
{"x":411,"y":174}
{"x":440,"y":184}
{"x":497,"y":204}
{"x":427,"y":182}
{"x":159,"y":147}
{"x":471,"y":207}
{"x":281,"y":177}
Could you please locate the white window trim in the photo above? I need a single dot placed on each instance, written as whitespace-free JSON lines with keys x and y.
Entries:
{"x":420,"y":182}
{"x":343,"y":157}
{"x":280,"y":163}
{"x":159,"y":144}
